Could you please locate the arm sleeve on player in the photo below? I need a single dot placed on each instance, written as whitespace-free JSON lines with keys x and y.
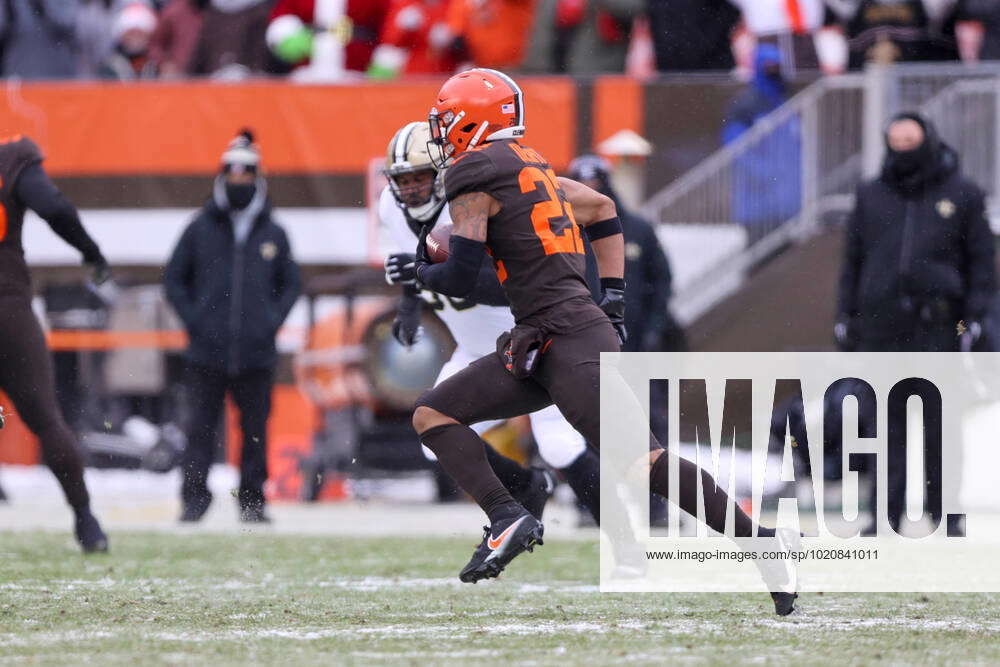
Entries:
{"x":458,"y":276}
{"x":37,"y":191}
{"x":470,"y":172}
{"x":488,"y":291}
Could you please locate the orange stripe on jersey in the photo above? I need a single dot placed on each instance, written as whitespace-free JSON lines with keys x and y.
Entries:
{"x":498,"y":265}
{"x":501,"y":270}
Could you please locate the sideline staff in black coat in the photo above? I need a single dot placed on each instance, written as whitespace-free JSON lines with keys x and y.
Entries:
{"x":918,"y":273}
{"x":232,"y":281}
{"x":918,"y":265}
{"x":650,"y":325}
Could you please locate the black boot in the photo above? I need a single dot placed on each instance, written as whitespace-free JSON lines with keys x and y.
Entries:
{"x":254,"y":514}
{"x":195,"y":507}
{"x":89,"y":534}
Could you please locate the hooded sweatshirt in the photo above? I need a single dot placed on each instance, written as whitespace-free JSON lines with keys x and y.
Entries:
{"x":917,"y":237}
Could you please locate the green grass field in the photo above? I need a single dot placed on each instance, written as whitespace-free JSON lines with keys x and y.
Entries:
{"x":192,"y":598}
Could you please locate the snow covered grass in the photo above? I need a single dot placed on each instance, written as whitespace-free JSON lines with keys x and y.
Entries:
{"x":293,"y":599}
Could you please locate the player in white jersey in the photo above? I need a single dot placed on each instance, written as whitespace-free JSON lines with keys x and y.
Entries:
{"x":413,"y":201}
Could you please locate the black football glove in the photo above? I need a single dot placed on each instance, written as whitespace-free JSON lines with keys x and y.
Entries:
{"x":406,"y":327}
{"x":400,"y":268}
{"x":421,"y":258}
{"x":613,"y":305}
{"x":100,"y":272}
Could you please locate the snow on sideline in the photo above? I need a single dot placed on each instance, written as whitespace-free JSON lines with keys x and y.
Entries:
{"x":146,"y":236}
{"x":137,"y":500}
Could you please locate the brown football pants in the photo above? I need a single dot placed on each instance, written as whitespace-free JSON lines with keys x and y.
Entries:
{"x":568,"y":375}
{"x":27,"y":377}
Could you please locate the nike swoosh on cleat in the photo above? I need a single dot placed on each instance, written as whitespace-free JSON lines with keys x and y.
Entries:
{"x":494,"y":543}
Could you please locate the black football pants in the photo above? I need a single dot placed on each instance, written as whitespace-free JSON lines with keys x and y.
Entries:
{"x":26,"y":375}
{"x":251,"y":392}
{"x":910,"y":336}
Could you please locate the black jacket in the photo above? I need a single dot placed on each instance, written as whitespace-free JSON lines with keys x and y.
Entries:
{"x":232,"y":298}
{"x":917,"y":242}
{"x":647,"y":283}
{"x":692,"y":34}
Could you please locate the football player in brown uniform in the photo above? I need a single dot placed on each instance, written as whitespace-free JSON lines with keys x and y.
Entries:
{"x":506,"y":201}
{"x":26,"y":373}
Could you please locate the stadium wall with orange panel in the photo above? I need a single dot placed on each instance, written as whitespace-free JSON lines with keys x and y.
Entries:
{"x":138,"y":160}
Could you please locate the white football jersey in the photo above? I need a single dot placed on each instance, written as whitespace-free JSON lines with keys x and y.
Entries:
{"x":474,"y":327}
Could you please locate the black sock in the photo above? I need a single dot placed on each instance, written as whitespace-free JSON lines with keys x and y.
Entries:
{"x":61,"y":455}
{"x":511,"y":474}
{"x":461,"y":452}
{"x":584,"y":476}
{"x":716,"y":500}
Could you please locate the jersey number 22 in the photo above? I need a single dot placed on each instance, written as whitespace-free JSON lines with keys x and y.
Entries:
{"x":549,"y":211}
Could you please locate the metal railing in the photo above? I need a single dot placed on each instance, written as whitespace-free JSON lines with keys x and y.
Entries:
{"x":769,"y":182}
{"x":802,"y":162}
{"x":827,"y":107}
{"x":913,"y":86}
{"x":965,"y":115}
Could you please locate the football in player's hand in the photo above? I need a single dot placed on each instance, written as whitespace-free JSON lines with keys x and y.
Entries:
{"x":438,"y":242}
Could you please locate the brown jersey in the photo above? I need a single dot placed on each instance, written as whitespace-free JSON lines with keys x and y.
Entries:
{"x":534,"y":240}
{"x":16,"y":153}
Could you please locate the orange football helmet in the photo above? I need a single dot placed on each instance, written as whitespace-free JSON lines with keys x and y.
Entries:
{"x":474,"y":107}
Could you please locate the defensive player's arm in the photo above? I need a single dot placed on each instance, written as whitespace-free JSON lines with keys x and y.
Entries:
{"x":596,"y":213}
{"x":458,"y":276}
{"x":37,"y":191}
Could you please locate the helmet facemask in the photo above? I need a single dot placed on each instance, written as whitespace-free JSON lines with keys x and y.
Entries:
{"x":438,"y":147}
{"x":416,"y":182}
{"x":449,"y":136}
{"x":419,"y":191}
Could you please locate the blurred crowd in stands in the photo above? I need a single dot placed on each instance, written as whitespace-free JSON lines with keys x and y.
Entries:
{"x":331,"y":39}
